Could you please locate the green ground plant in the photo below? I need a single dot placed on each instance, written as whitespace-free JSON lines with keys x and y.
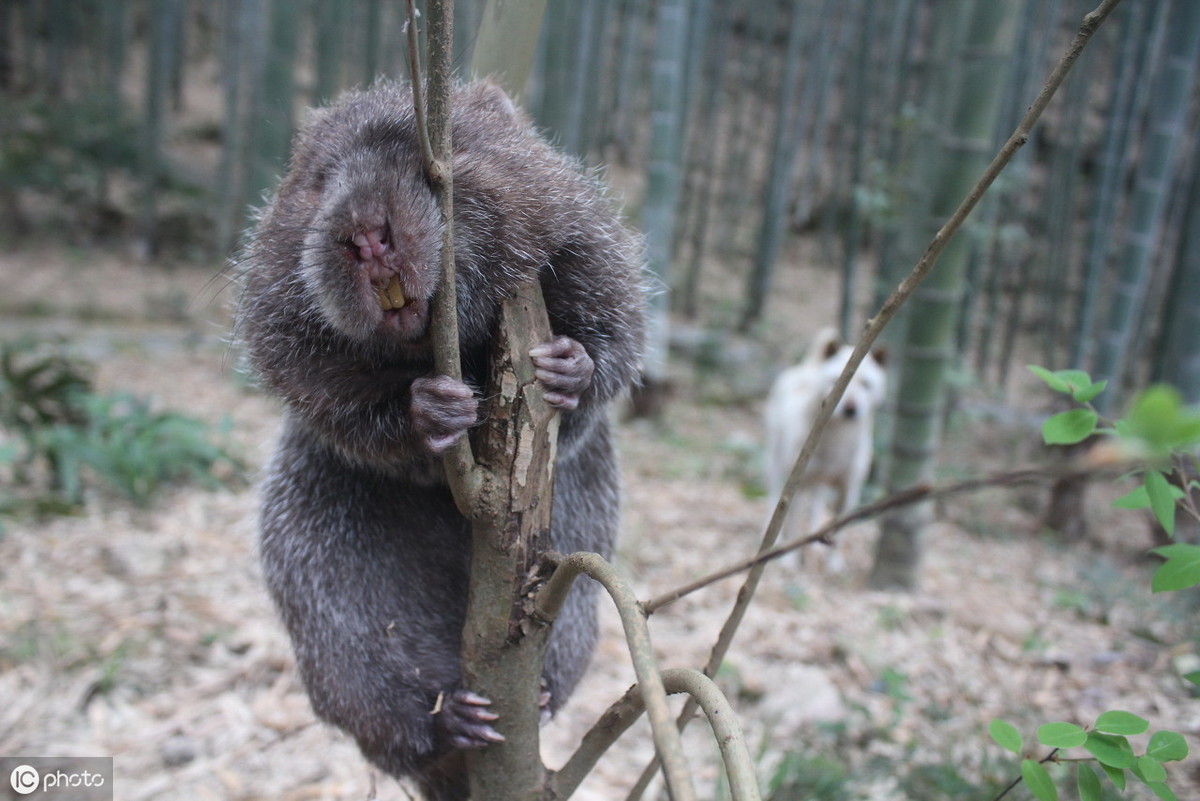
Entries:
{"x":1158,"y":437}
{"x":59,"y":437}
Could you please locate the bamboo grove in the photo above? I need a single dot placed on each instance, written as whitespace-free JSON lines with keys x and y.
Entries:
{"x":734,"y":128}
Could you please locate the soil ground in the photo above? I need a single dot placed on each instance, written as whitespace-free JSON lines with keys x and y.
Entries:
{"x":145,"y":634}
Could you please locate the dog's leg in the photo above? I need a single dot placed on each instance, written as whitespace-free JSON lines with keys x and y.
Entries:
{"x":816,"y":498}
{"x":834,"y":561}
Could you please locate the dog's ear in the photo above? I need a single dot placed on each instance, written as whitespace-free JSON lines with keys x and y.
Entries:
{"x":881,"y":355}
{"x":824,"y":345}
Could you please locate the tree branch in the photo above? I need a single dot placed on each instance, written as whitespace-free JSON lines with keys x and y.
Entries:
{"x":502,"y":650}
{"x":434,"y":136}
{"x":503,"y":487}
{"x":622,"y":714}
{"x":637,"y":635}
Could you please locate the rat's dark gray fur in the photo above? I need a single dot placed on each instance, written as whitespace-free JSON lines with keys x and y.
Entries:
{"x":362,"y":547}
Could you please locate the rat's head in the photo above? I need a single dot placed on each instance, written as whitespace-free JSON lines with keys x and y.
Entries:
{"x":353,"y":237}
{"x":371,"y":257}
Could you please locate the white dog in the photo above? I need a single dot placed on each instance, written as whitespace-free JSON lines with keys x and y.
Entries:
{"x":834,"y":479}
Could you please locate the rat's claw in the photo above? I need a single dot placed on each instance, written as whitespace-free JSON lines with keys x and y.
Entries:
{"x":466,"y":720}
{"x":442,"y":409}
{"x":565,"y":369}
{"x":544,"y":713}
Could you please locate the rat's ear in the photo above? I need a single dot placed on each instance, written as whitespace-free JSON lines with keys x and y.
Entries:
{"x":482,"y":112}
{"x":488,"y":95}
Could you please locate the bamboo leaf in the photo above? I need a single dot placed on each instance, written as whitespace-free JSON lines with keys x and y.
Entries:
{"x":1070,"y":427}
{"x":1006,"y":735}
{"x":1038,"y":780}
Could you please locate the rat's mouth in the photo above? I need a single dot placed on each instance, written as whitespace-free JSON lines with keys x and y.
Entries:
{"x":403,"y":316}
{"x":391,"y":297}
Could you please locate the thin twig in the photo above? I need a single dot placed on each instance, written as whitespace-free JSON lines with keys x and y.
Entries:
{"x":433,"y":168}
{"x":1011,"y":785}
{"x":434,"y":136}
{"x":907,"y":497}
{"x":871,"y":332}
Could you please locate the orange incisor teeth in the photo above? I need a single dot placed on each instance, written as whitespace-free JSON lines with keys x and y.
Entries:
{"x":392,"y":297}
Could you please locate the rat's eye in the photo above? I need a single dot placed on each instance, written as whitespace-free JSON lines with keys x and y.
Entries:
{"x":346,"y":247}
{"x":319,"y":178}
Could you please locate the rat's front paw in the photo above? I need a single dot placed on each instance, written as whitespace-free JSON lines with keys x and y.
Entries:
{"x":565,"y":370}
{"x":466,"y":721}
{"x":442,"y":410}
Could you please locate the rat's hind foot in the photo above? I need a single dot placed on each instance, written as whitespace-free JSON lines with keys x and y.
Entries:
{"x":466,"y":721}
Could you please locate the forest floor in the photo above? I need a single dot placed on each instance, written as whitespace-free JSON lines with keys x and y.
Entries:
{"x":146,"y":634}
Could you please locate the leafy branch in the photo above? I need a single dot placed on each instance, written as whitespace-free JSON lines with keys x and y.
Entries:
{"x":1156,"y":434}
{"x":1107,"y":742}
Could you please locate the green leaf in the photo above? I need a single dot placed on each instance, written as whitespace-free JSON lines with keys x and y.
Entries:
{"x":1115,"y":775}
{"x":1193,"y":677}
{"x":1075,"y":379}
{"x":1135,"y":499}
{"x":1163,"y":791}
{"x":1180,"y":570}
{"x":1061,"y":735}
{"x":1088,"y":393}
{"x":1167,"y":746}
{"x":1159,"y":418}
{"x":1006,"y":735}
{"x":1111,"y":750}
{"x":1052,"y":379}
{"x":1162,"y":503}
{"x":1149,"y":770}
{"x":1070,"y":427}
{"x":1089,"y":784}
{"x":1118,"y":722}
{"x":1153,"y":410}
{"x":1037,"y":779}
